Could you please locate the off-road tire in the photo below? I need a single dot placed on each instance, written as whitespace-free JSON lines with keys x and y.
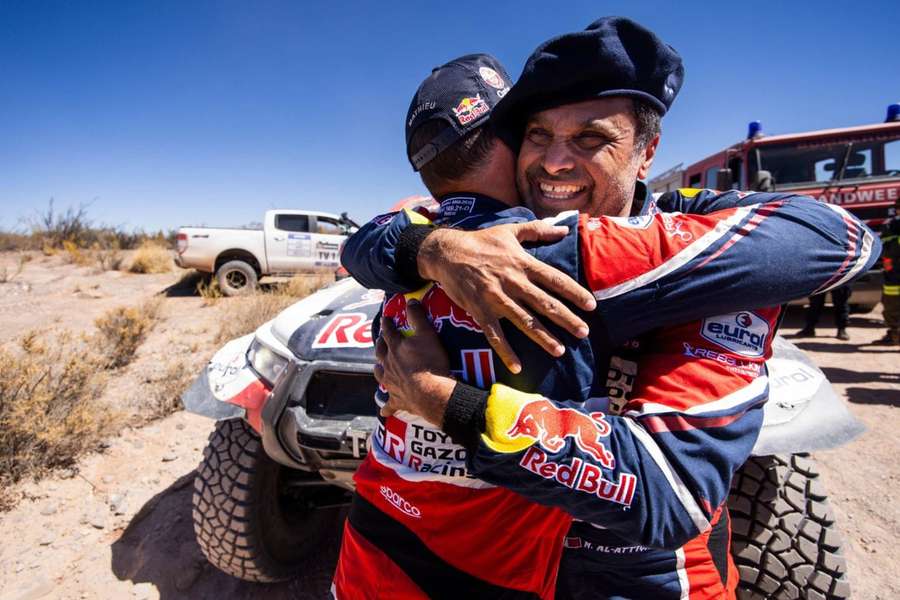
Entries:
{"x":236,"y":277}
{"x":784,"y":539}
{"x":241,"y":522}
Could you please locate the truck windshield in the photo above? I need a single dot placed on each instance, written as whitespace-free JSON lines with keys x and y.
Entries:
{"x":823,"y":162}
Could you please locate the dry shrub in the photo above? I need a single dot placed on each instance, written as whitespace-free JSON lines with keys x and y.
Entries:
{"x":244,"y":314}
{"x":165,"y":393}
{"x":303,"y":284}
{"x":7,"y":276}
{"x":49,"y":408}
{"x":122,"y":330}
{"x":151,"y":257}
{"x":76,"y":255}
{"x":209,"y":290}
{"x":108,"y":259}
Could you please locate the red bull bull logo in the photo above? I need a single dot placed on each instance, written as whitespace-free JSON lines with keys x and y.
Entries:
{"x":549,"y":426}
{"x":442,"y":310}
{"x":470,"y":109}
{"x":439,"y":307}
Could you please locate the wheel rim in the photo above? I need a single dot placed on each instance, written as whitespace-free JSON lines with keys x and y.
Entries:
{"x":236,"y":279}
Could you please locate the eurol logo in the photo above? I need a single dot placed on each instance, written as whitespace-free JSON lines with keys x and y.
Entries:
{"x":399,"y":503}
{"x":744,"y":332}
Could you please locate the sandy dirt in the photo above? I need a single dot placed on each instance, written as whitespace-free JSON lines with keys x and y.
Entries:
{"x":119,"y":525}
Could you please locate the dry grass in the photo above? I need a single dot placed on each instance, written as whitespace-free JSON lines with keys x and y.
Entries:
{"x":152,"y":257}
{"x":245,"y":314}
{"x":208,"y":289}
{"x":49,"y":408}
{"x":121,"y":331}
{"x":165,"y":393}
{"x":6,"y":276}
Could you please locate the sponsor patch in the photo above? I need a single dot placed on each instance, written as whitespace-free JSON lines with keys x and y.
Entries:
{"x":345,"y":330}
{"x":491,"y":77}
{"x":744,"y":332}
{"x":736,"y":365}
{"x":470,"y":109}
{"x":299,"y":244}
{"x":638,"y":222}
{"x":421,"y":448}
{"x":550,"y":426}
{"x":399,"y":503}
{"x":580,"y":476}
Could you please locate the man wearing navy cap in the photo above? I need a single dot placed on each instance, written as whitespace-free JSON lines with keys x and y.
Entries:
{"x":635,"y":460}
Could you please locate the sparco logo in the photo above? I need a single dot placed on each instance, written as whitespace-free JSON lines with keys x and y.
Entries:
{"x":744,"y":332}
{"x":398,"y":502}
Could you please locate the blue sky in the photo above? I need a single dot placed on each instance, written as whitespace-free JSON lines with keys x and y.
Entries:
{"x":169,"y":112}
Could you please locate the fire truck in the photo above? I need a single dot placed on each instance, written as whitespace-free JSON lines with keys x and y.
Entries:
{"x":857,"y":168}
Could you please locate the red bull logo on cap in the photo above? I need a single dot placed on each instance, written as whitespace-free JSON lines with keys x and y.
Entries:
{"x":550,"y":425}
{"x":470,"y":109}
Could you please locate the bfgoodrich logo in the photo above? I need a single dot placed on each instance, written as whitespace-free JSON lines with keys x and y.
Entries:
{"x":742,"y":332}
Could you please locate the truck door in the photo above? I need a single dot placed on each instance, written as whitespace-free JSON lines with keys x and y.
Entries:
{"x":289,"y":243}
{"x":328,"y":239}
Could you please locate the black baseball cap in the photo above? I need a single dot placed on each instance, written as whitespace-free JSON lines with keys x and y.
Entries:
{"x":462,"y":92}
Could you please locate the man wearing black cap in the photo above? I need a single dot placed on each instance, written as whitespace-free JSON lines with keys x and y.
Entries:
{"x":489,"y":454}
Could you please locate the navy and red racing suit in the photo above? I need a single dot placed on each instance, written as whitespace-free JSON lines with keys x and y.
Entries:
{"x":653,"y":467}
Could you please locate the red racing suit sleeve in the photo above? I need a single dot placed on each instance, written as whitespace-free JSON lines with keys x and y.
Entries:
{"x":656,"y":472}
{"x":762,"y":250}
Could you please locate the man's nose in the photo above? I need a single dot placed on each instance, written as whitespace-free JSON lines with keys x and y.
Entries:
{"x":558,"y":158}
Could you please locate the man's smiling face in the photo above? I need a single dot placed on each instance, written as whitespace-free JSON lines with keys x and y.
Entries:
{"x":582,"y":157}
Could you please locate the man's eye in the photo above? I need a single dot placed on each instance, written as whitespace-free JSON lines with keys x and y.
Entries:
{"x":590,"y":141}
{"x":538,"y":136}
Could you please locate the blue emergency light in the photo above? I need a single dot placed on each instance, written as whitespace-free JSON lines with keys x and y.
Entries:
{"x":754,"y":129}
{"x":893,"y":113}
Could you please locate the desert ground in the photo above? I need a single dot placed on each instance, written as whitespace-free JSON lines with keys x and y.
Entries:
{"x":117,"y":523}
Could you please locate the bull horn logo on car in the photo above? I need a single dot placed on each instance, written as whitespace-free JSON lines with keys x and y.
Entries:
{"x":549,"y":426}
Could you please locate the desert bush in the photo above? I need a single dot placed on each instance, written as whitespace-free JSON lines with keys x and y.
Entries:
{"x":121,"y":331}
{"x":303,"y":284}
{"x":208,"y":289}
{"x":151,"y":257}
{"x":49,"y":408}
{"x":244,"y":314}
{"x":108,"y":259}
{"x":6,"y":275}
{"x":165,"y":392}
{"x":55,"y":228}
{"x":17,"y":241}
{"x":74,"y":254}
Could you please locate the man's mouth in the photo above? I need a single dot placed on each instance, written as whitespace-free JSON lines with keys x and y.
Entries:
{"x":560,"y":191}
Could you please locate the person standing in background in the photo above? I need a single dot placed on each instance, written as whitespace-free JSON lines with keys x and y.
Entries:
{"x":890,"y":292}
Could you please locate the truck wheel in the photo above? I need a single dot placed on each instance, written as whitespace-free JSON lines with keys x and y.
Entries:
{"x":244,"y":522}
{"x":784,"y":539}
{"x":236,"y":277}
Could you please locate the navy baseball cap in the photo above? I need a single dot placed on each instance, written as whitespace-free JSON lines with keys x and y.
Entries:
{"x":462,"y":93}
{"x":614,"y":56}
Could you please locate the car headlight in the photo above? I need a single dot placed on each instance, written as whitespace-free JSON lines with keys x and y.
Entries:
{"x":265,"y":362}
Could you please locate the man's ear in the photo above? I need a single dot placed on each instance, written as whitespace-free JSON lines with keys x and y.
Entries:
{"x":647,"y":157}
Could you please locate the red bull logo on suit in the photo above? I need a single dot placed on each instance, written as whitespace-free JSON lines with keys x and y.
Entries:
{"x":550,"y":425}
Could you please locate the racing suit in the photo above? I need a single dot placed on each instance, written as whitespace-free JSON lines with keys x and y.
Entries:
{"x":629,"y":463}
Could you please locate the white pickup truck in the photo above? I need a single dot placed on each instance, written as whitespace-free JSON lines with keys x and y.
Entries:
{"x":290,"y":241}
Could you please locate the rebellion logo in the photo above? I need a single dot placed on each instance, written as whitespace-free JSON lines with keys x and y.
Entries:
{"x":744,"y":332}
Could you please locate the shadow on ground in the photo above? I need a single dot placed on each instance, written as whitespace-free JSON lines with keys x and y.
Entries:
{"x":159,"y":547}
{"x":887,"y":397}
{"x":838,"y":375}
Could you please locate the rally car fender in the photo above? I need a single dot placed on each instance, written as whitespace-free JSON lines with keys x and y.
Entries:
{"x":803,"y":413}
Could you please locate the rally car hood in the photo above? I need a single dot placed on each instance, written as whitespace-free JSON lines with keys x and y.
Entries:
{"x":333,"y":324}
